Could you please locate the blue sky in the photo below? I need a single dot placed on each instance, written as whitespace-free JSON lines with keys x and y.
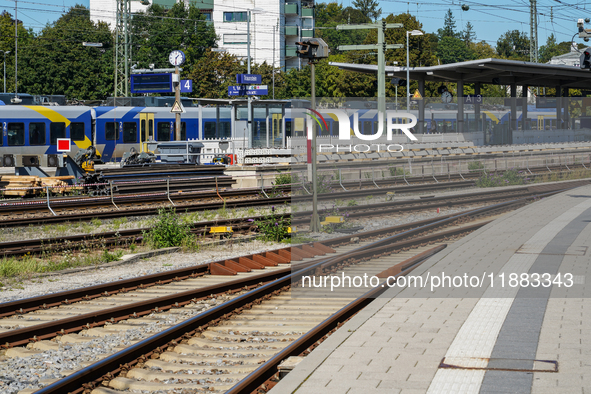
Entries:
{"x":490,"y":18}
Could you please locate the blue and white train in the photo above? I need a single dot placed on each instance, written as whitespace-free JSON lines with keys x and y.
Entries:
{"x":34,"y":129}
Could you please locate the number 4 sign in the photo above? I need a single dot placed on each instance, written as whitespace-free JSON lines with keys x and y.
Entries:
{"x":186,"y":86}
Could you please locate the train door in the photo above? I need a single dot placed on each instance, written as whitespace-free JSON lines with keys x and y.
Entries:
{"x":277,"y":129}
{"x":146,"y":130}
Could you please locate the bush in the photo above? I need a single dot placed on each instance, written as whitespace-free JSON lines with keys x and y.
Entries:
{"x":475,"y":166}
{"x":285,"y":178}
{"x":508,"y":178}
{"x":168,"y":231}
{"x":273,"y":228}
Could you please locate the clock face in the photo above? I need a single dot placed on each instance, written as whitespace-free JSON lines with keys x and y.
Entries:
{"x":176,"y":58}
{"x":446,"y":97}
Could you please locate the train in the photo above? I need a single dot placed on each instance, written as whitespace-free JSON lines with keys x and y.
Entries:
{"x":114,"y":130}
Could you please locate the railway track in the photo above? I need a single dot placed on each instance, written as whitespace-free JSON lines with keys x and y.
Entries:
{"x":36,"y":212}
{"x":245,"y":225}
{"x":230,"y":334}
{"x":236,"y":346}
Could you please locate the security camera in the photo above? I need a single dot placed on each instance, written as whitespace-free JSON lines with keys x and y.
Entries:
{"x":587,"y":20}
{"x":16,"y":100}
{"x":151,"y":66}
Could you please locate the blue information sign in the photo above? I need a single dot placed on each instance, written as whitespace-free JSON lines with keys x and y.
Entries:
{"x":236,"y":91}
{"x":248,"y":90}
{"x":151,"y":83}
{"x":186,"y":85}
{"x":249,"y":78}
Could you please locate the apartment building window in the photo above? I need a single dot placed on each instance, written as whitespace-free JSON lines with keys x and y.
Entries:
{"x":235,"y":38}
{"x":307,"y":23}
{"x":235,"y":16}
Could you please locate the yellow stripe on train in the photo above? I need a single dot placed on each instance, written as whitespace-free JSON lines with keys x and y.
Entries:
{"x":57,"y":117}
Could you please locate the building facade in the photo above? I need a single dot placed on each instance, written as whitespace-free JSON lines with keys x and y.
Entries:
{"x":275,"y":25}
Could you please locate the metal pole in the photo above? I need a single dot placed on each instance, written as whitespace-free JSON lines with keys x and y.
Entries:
{"x":5,"y":70}
{"x":381,"y":71}
{"x":315,"y":223}
{"x":15,"y":50}
{"x":249,"y":124}
{"x":274,"y":33}
{"x":177,"y":98}
{"x":407,"y":75}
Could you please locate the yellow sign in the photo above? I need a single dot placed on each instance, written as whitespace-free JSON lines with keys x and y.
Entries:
{"x":417,"y":95}
{"x":177,"y":108}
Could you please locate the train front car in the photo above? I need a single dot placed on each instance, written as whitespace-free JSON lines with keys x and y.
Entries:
{"x":34,"y":130}
{"x":119,"y":129}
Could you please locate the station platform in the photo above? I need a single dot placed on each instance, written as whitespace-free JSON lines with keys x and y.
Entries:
{"x":503,"y":338}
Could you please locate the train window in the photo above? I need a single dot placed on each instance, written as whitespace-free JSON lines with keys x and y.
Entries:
{"x":77,"y":131}
{"x":367,"y":127}
{"x":183,"y":130}
{"x":111,"y":131}
{"x":288,"y":128}
{"x":56,"y":130}
{"x":163,"y":131}
{"x":36,"y":133}
{"x":129,"y":132}
{"x":226,"y":132}
{"x":209,"y":130}
{"x":151,"y":129}
{"x":143,"y":129}
{"x":335,"y":127}
{"x":16,"y":134}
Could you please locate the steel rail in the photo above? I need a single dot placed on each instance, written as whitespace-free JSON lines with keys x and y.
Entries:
{"x":92,"y":375}
{"x":310,"y":339}
{"x":14,"y":248}
{"x":85,"y":293}
{"x":73,"y":324}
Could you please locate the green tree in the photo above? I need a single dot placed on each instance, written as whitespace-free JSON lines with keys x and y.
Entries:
{"x":159,"y":31}
{"x":453,"y":50}
{"x":548,"y":51}
{"x":482,"y":50}
{"x":468,"y":35}
{"x":333,"y":14}
{"x":7,"y":43}
{"x":449,"y":26}
{"x":56,"y":62}
{"x":513,"y":45}
{"x":369,"y":8}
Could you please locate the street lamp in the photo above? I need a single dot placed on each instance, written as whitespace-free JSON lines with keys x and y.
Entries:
{"x":5,"y":53}
{"x":412,"y":33}
{"x":249,"y":124}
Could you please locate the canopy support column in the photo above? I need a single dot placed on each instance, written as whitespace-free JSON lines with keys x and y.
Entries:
{"x":460,"y":118}
{"x":421,"y":106}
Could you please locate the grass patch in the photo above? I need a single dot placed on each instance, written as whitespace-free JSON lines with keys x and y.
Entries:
{"x":26,"y":266}
{"x":507,"y":178}
{"x":168,"y":230}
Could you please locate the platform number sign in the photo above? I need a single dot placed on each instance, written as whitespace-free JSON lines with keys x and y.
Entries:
{"x":186,"y":86}
{"x":63,"y":144}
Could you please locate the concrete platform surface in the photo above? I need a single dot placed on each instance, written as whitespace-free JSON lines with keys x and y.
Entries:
{"x":531,"y":334}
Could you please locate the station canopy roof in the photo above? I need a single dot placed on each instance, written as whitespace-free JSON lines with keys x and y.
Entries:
{"x":484,"y":70}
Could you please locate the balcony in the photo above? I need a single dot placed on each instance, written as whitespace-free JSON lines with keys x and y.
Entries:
{"x":290,"y":51}
{"x":307,"y":12}
{"x":307,"y":33}
{"x":291,"y":30}
{"x":291,"y":8}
